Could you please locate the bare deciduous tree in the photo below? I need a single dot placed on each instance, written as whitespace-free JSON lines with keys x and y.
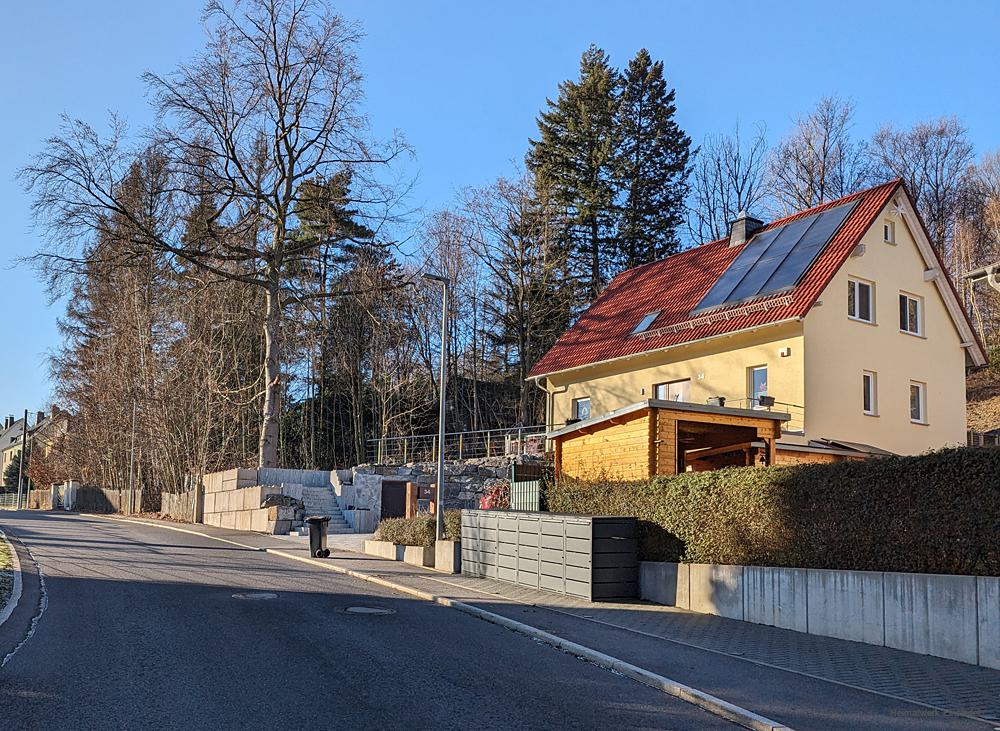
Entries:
{"x":271,"y":102}
{"x":933,"y":158}
{"x":819,"y":161}
{"x":730,"y":175}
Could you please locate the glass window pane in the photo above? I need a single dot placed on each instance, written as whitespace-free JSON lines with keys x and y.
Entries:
{"x":679,"y":391}
{"x":852,"y":307}
{"x":902,"y":312}
{"x":916,"y":411}
{"x":914,"y":315}
{"x":867,"y":386}
{"x":864,"y":302}
{"x":581,"y":408}
{"x":758,"y":383}
{"x":660,"y":393}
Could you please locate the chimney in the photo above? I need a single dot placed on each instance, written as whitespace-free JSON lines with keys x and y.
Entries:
{"x":39,"y":417}
{"x":8,"y":422}
{"x":742,"y":228}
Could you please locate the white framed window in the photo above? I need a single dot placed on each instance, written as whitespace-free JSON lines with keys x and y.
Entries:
{"x":869,"y":393}
{"x":911,"y":314}
{"x":889,"y":231}
{"x":918,"y":402}
{"x":757,"y":384}
{"x":581,"y":408}
{"x":645,"y":322}
{"x":860,"y":300}
{"x":673,"y":390}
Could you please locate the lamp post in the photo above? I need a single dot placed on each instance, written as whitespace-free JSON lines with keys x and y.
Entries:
{"x":21,"y":469}
{"x":439,"y":510}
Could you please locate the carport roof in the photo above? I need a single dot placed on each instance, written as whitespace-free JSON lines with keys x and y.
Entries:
{"x":672,"y":406}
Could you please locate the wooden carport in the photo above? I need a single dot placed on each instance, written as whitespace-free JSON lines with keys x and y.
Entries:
{"x":664,"y":438}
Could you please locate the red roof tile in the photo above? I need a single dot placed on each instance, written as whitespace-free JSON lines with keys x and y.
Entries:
{"x":675,"y":285}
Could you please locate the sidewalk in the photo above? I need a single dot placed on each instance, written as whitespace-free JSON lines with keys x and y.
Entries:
{"x":805,"y":681}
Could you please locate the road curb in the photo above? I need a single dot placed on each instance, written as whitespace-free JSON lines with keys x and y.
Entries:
{"x":15,"y":594}
{"x":706,"y":701}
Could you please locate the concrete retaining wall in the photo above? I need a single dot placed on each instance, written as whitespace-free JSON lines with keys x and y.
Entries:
{"x":955,"y":617}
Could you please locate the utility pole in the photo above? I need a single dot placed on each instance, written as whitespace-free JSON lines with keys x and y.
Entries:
{"x":439,"y":511}
{"x":131,"y":468}
{"x":21,"y":471}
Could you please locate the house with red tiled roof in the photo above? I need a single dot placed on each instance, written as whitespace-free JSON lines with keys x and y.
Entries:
{"x":842,"y":317}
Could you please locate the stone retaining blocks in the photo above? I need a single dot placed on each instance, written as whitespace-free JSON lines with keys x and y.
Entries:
{"x":232,"y":500}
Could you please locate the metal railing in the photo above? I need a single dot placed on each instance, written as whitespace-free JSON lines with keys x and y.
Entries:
{"x":8,"y":500}
{"x":981,"y":439}
{"x":797,"y":412}
{"x":458,"y":445}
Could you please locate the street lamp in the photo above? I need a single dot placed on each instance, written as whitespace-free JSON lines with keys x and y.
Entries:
{"x":439,"y":511}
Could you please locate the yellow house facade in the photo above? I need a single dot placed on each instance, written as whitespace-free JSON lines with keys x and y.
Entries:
{"x":869,"y":349}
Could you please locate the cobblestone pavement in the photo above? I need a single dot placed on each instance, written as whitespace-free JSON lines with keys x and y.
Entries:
{"x":941,"y":684}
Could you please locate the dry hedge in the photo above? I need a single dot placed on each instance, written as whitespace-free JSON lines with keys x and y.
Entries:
{"x":935,"y":513}
{"x":420,"y":530}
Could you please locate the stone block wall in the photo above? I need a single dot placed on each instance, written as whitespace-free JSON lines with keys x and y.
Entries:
{"x":233,"y":500}
{"x":464,"y":483}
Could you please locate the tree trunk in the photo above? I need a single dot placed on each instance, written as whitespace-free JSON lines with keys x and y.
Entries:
{"x":268,"y":448}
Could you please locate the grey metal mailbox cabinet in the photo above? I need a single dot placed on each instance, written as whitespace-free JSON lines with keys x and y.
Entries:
{"x":592,"y":557}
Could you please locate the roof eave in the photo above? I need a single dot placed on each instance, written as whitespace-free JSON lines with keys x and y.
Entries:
{"x":631,"y":356}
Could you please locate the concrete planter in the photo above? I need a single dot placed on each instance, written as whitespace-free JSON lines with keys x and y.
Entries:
{"x":419,"y":555}
{"x":448,"y":556}
{"x":955,"y":617}
{"x":384,"y":549}
{"x":416,"y":555}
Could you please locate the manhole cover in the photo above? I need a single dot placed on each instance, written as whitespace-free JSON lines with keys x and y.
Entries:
{"x":255,"y":595}
{"x":369,"y":610}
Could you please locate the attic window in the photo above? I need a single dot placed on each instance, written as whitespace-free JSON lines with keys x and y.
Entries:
{"x":889,"y":232}
{"x":645,"y":322}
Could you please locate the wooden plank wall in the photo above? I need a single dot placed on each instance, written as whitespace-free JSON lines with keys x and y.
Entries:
{"x":618,"y":451}
{"x":643,"y":444}
{"x":666,"y":428}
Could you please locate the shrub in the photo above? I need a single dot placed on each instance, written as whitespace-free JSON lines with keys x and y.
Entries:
{"x":416,"y":531}
{"x":453,"y":525}
{"x":496,"y":495}
{"x":935,"y":513}
{"x":419,"y":531}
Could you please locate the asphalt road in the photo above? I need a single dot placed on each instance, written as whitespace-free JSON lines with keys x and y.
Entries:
{"x":141,"y":628}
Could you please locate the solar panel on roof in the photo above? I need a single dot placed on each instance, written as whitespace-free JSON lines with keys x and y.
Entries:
{"x":776,"y":259}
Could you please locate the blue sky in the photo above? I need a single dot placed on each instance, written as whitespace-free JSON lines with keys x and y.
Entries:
{"x":464,"y":80}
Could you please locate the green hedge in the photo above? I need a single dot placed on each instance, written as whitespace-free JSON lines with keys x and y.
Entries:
{"x":936,"y":513}
{"x":419,"y":531}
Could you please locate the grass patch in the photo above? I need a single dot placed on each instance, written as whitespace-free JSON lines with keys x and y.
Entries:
{"x":6,"y":571}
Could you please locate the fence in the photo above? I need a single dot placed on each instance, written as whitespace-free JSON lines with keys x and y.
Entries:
{"x":92,"y":499}
{"x":8,"y":500}
{"x":981,"y":439}
{"x":527,"y":486}
{"x":458,"y":445}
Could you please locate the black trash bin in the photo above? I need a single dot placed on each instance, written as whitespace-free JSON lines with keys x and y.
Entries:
{"x":319,"y":526}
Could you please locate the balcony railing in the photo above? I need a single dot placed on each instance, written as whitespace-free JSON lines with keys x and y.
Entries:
{"x":797,"y":412}
{"x":981,"y":439}
{"x":458,"y":445}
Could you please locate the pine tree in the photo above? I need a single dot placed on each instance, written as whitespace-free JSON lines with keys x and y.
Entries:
{"x":653,"y":165}
{"x":575,"y":158}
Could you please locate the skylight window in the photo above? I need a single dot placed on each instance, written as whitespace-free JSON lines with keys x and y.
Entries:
{"x":645,"y":322}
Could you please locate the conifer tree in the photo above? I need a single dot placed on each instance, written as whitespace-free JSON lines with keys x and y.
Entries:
{"x":575,"y":158}
{"x":653,"y":165}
